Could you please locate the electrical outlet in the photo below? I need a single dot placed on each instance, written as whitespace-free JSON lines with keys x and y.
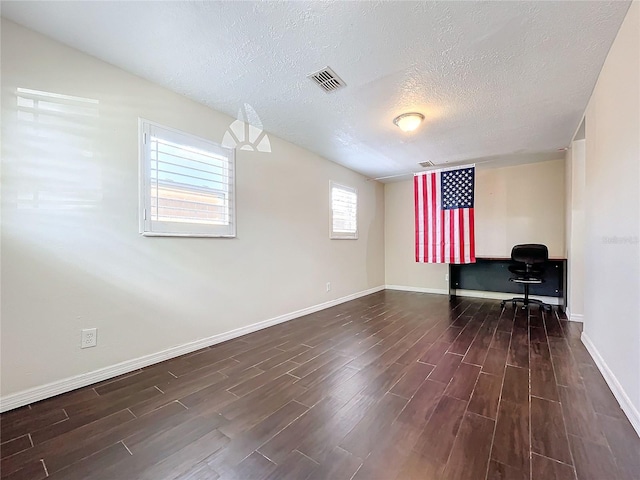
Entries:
{"x":328,"y":286}
{"x":88,"y":337}
{"x":446,"y":277}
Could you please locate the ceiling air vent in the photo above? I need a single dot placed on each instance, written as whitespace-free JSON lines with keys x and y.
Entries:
{"x":327,"y":80}
{"x":427,"y":164}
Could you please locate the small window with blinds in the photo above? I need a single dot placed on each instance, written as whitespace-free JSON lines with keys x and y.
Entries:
{"x":344,"y":212}
{"x":187,"y":184}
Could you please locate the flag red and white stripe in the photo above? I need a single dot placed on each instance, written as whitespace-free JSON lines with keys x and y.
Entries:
{"x":442,"y":235}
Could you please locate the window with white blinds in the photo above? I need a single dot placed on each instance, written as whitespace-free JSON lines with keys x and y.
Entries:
{"x":344,"y":212}
{"x":187,"y":184}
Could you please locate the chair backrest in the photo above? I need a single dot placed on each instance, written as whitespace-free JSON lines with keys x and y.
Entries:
{"x":530,"y":253}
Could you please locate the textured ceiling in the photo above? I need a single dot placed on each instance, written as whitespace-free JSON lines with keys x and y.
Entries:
{"x":503,"y":80}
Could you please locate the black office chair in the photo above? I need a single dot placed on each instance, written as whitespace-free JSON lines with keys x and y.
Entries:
{"x":530,"y":262}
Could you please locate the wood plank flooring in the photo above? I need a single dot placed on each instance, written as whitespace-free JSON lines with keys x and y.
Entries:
{"x":395,"y":385}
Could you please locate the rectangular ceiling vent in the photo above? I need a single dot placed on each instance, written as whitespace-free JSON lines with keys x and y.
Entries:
{"x":327,"y":80}
{"x":427,"y":164}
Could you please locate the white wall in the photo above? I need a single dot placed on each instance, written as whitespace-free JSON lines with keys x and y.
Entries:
{"x":575,"y":185}
{"x":568,"y":172}
{"x":72,"y":265}
{"x":519,"y":204}
{"x":612,"y":218}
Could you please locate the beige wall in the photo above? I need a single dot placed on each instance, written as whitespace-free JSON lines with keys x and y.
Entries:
{"x":401,"y":268}
{"x":612,"y":217}
{"x":67,"y":267}
{"x":520,"y":204}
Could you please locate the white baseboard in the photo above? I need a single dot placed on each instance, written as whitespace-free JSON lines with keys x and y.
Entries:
{"x":575,"y":317}
{"x":503,"y":296}
{"x":65,"y":385}
{"x":621,"y":396}
{"x":471,"y":293}
{"x":438,"y":291}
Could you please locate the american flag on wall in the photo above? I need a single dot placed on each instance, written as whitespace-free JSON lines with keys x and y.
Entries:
{"x":444,"y":216}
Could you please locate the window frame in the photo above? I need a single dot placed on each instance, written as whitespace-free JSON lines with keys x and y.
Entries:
{"x":333,"y":235}
{"x":150,"y":228}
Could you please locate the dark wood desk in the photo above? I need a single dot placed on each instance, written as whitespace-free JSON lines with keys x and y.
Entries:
{"x":491,"y":274}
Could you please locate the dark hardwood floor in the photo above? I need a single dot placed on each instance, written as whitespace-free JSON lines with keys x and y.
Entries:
{"x":394,"y":385}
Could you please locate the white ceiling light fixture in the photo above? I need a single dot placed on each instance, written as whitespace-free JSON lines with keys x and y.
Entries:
{"x":408,"y":122}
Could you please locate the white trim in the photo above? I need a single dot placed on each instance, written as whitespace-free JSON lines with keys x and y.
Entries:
{"x":58,"y":387}
{"x":502,"y":296}
{"x":574,"y":317}
{"x":438,"y":291}
{"x":154,"y":228}
{"x":475,"y":294}
{"x":621,"y":396}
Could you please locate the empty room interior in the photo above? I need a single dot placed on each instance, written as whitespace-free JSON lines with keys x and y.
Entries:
{"x":315,"y":240}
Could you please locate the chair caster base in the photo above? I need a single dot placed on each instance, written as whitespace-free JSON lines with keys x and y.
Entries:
{"x":526,"y":303}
